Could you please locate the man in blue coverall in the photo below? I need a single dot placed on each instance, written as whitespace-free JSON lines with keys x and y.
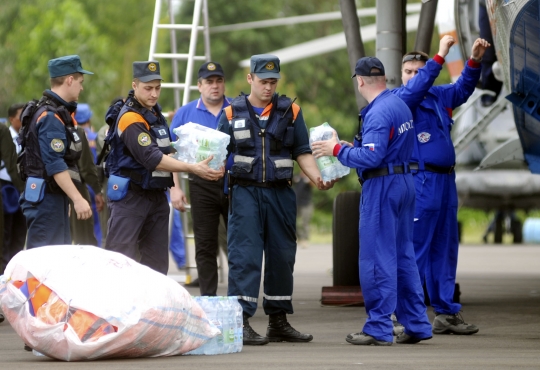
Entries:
{"x":435,"y":220}
{"x":267,"y":133}
{"x":52,"y":148}
{"x":208,"y":201}
{"x":388,"y":273}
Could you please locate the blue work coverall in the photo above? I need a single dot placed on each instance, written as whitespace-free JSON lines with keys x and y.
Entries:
{"x":436,"y":240}
{"x":388,"y":271}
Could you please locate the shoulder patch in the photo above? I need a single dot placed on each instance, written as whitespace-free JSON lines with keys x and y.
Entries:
{"x":57,"y":145}
{"x":144,"y":139}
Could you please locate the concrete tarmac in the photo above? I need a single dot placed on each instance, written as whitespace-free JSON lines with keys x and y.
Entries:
{"x":500,"y":288}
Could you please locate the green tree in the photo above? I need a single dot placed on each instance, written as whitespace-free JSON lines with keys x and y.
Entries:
{"x":108,"y":36}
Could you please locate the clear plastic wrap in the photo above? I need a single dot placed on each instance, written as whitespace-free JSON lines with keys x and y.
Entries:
{"x":196,"y":143}
{"x":86,"y":303}
{"x":329,"y":166}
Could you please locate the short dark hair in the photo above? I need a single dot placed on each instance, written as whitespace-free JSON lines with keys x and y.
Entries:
{"x":415,"y":55}
{"x":58,"y":81}
{"x":14,"y":108}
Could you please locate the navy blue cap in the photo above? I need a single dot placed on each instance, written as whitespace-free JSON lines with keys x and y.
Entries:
{"x":146,"y":71}
{"x":211,"y":69}
{"x":265,"y":66}
{"x":67,"y":65}
{"x":83,"y":113}
{"x":365,"y":65}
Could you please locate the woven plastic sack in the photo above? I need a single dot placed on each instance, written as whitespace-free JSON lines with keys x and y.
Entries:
{"x":77,"y":303}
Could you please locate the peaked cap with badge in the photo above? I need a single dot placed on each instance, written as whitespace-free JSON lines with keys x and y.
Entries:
{"x":265,"y":66}
{"x":211,"y":69}
{"x":146,"y":71}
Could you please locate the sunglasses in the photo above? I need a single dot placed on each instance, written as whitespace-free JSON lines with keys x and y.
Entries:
{"x":408,"y":58}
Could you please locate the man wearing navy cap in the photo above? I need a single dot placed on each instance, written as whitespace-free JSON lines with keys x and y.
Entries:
{"x":139,"y":171}
{"x":381,"y":154}
{"x":267,"y":133}
{"x":208,"y":202}
{"x":51,"y":149}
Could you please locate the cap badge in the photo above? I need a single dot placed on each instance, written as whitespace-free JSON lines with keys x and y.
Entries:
{"x":269,"y":65}
{"x":211,"y":66}
{"x":152,"y":67}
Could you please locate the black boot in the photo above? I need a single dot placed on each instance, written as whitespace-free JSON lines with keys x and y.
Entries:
{"x":279,"y":330}
{"x":1,"y":317}
{"x":251,"y":338}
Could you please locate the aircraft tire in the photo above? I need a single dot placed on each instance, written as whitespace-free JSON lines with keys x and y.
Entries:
{"x":517,"y":231}
{"x":345,"y":239}
{"x":499,"y":229}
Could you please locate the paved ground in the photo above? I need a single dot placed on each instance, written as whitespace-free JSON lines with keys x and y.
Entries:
{"x":500,"y":293}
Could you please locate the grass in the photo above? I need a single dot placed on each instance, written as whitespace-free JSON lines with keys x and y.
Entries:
{"x":474,"y":223}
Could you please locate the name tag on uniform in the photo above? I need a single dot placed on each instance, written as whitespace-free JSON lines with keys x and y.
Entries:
{"x":241,"y":123}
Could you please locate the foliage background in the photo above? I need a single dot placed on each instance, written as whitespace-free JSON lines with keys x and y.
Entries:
{"x":110,"y":35}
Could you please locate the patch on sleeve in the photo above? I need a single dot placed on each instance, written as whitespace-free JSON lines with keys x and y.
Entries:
{"x":370,"y":146}
{"x":57,"y":145}
{"x":144,"y":139}
{"x":424,"y":137}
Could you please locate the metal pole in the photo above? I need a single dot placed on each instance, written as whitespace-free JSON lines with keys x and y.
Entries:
{"x":206,"y":32}
{"x":389,"y":40}
{"x":174,"y":61}
{"x":192,"y":49}
{"x":425,"y":26}
{"x":355,"y":46}
{"x":153,"y":37}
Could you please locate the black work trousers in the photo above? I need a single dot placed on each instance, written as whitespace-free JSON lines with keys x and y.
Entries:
{"x":208,"y":204}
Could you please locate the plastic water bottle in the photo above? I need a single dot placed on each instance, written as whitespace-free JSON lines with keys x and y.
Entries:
{"x":329,"y":166}
{"x":196,"y":143}
{"x":226,"y":314}
{"x":239,"y":324}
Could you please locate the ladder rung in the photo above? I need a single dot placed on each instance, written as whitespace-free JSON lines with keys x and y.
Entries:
{"x":169,"y":26}
{"x":177,"y":56}
{"x":172,"y":85}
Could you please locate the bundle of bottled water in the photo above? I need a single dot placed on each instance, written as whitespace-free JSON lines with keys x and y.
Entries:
{"x":197,"y":142}
{"x":226,"y":314}
{"x":329,"y":166}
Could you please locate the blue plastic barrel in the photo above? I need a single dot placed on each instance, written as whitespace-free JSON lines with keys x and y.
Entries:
{"x":531,"y":230}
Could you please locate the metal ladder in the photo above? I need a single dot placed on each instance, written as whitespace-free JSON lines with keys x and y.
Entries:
{"x":200,"y":8}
